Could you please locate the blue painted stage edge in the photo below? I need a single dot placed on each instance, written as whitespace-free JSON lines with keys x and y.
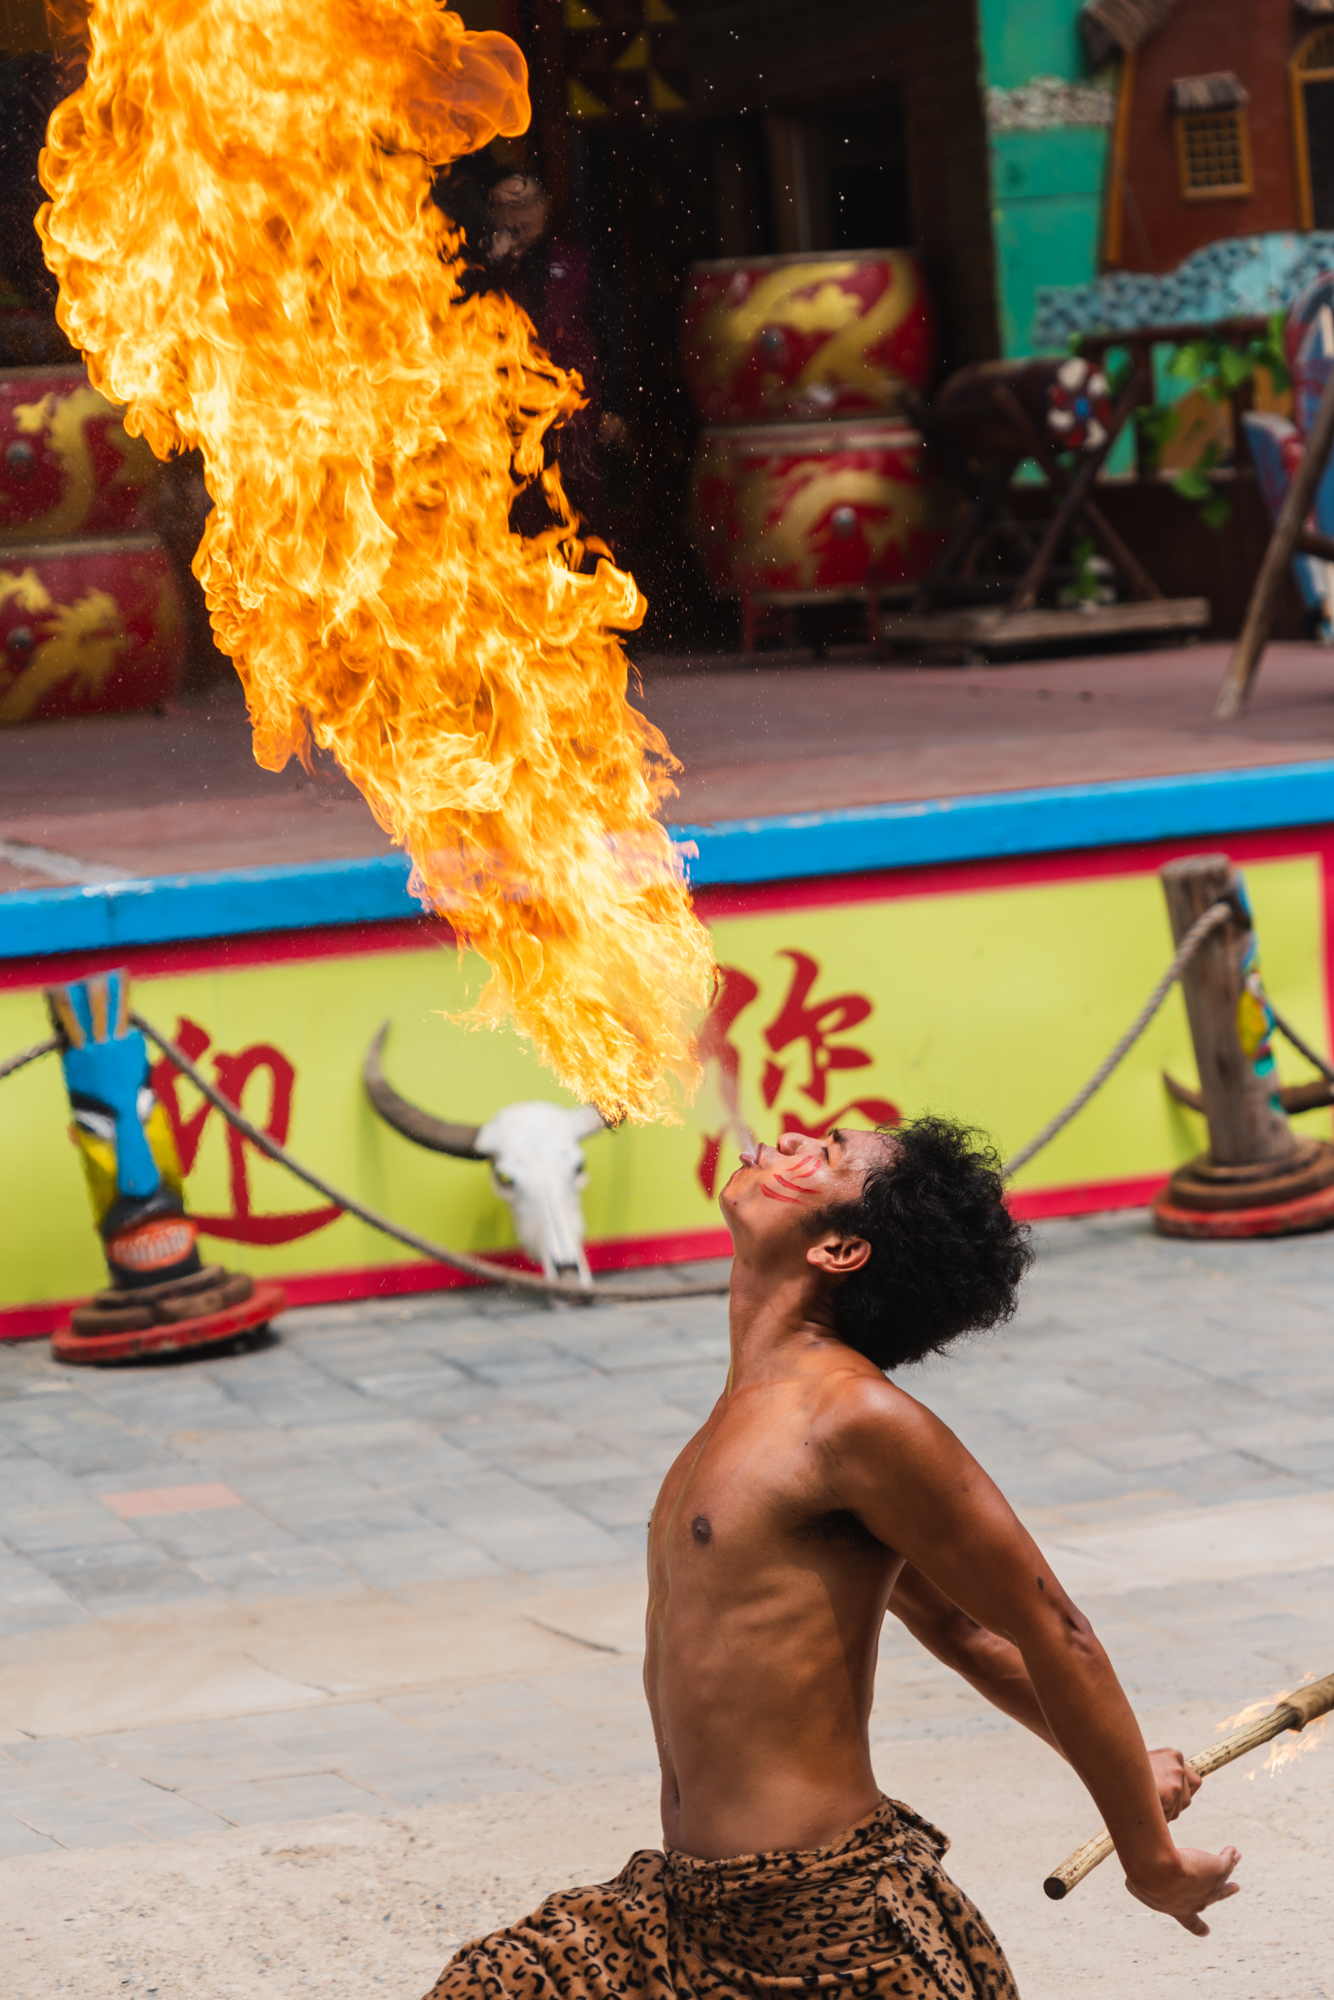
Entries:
{"x":234,"y":902}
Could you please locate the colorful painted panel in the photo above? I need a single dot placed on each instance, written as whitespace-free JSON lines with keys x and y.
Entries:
{"x":988,"y":991}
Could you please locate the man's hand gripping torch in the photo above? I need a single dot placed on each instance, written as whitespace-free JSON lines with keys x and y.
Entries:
{"x":1293,"y":1712}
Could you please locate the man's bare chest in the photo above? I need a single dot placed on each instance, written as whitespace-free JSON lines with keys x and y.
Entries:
{"x":745,"y":1498}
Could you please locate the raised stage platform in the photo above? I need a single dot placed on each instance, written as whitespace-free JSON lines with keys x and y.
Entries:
{"x":932,"y":887}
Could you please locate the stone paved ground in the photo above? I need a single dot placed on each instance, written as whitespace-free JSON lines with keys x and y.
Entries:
{"x":388,"y":1566}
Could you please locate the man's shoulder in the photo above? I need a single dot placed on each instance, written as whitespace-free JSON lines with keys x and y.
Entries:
{"x":857,"y":1404}
{"x":877,"y":1442}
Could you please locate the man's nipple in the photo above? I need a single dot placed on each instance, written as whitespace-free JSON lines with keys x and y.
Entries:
{"x":702,"y":1528}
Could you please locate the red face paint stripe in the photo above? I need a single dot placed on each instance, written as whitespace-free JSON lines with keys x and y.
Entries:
{"x":787,"y":1183}
{"x":792,"y":1199}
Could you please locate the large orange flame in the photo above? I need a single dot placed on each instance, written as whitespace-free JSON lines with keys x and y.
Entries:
{"x":249,"y":259}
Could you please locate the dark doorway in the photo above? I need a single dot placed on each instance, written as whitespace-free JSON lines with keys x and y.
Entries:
{"x":866,"y":177}
{"x":1319,"y":103}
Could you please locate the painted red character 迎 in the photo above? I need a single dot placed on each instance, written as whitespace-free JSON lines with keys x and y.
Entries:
{"x":233,"y":1073}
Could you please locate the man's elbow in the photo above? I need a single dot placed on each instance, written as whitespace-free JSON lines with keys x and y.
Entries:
{"x":1067,"y":1634}
{"x":970,"y":1649}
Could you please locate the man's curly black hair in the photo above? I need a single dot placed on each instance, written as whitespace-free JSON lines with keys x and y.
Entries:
{"x":946,"y":1257}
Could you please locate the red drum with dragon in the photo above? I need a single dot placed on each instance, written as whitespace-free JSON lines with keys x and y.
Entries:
{"x":88,"y":627}
{"x":825,"y":334}
{"x":67,"y":465}
{"x":818,"y":506}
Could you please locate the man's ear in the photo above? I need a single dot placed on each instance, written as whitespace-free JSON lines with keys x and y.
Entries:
{"x":839,"y":1256}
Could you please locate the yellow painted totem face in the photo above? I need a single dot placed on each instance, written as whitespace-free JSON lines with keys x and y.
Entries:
{"x":94,"y":1133}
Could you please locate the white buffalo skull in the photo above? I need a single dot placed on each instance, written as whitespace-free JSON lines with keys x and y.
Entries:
{"x":537,"y":1162}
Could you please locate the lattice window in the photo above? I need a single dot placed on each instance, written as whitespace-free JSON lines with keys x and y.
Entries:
{"x":1213,"y":154}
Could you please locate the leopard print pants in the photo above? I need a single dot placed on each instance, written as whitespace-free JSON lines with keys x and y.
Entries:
{"x":871,"y":1917}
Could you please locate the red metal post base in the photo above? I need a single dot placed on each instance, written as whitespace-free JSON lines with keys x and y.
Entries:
{"x":1280,"y":1218}
{"x":264,"y":1303}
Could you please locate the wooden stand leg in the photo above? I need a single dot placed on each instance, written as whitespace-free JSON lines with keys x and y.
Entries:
{"x":1245,"y":661}
{"x":961,"y":541}
{"x":1074,"y":500}
{"x":1119,"y":555}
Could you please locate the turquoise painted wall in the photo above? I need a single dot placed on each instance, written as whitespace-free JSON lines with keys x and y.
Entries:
{"x":1046,"y":190}
{"x":1024,"y":38}
{"x":1046,"y":186}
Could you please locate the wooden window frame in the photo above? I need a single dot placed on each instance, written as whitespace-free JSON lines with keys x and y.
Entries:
{"x":1115,"y":210}
{"x":1298,"y":77}
{"x":1235,"y":190}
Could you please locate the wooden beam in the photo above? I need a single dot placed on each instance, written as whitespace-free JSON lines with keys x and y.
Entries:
{"x":1311,"y":542}
{"x":994,"y":629}
{"x":1246,"y":657}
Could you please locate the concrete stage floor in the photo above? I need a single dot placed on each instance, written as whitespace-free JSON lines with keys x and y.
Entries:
{"x":157,"y":794}
{"x":331,"y":1650}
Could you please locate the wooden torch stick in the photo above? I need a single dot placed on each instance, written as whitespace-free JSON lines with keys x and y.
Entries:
{"x":1293,"y":1712}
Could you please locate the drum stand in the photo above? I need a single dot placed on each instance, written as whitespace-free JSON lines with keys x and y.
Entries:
{"x":994,"y":555}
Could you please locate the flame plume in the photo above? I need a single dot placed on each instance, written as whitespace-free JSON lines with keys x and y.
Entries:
{"x":248,"y":256}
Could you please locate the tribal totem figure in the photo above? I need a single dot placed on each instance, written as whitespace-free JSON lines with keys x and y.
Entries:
{"x":160,"y":1295}
{"x":129,"y":1155}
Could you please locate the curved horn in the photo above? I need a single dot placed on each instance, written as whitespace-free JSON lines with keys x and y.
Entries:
{"x":1294,"y":1097}
{"x":419,"y":1126}
{"x":1183,"y":1093}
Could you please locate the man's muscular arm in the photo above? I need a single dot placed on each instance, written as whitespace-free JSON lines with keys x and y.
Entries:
{"x":914,"y":1486}
{"x":995,"y":1668}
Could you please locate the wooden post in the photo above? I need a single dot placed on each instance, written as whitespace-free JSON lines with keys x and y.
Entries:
{"x":1245,"y":1128}
{"x":1236,"y":687}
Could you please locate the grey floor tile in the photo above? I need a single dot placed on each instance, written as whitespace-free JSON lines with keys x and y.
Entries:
{"x":391,"y":1562}
{"x":325,"y":1792}
{"x":16,"y":1839}
{"x":79,"y":1830}
{"x":393,"y":1445}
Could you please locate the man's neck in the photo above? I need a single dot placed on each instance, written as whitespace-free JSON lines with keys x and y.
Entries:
{"x":771,"y":1316}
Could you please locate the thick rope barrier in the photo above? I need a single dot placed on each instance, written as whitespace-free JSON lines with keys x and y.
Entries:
{"x":457,"y":1260}
{"x":46,"y":1048}
{"x":1203,"y":927}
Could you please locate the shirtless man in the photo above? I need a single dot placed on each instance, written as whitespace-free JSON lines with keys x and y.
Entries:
{"x":815,"y":1498}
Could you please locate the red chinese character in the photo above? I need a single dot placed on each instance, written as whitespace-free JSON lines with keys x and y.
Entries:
{"x":735,"y":992}
{"x":233,"y":1073}
{"x":797,"y":1020}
